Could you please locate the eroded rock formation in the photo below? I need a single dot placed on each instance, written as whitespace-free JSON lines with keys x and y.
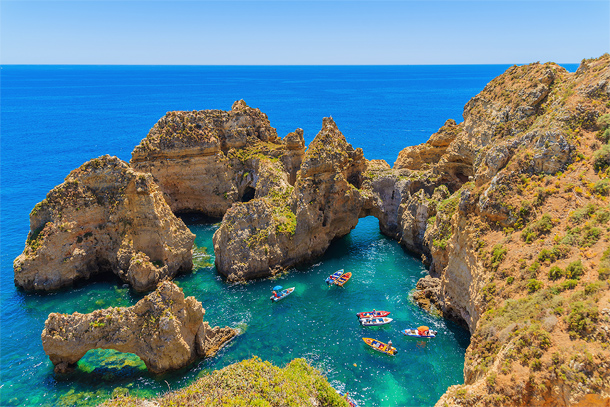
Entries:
{"x":504,"y":247}
{"x":208,"y":160}
{"x":294,"y":224}
{"x":105,"y":217}
{"x":165,"y":329}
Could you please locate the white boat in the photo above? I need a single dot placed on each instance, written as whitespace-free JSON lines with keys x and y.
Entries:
{"x":282,"y":294}
{"x":375,"y":321}
{"x":420,"y":333}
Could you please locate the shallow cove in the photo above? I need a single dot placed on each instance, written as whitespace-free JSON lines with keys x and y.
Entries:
{"x":316,"y":322}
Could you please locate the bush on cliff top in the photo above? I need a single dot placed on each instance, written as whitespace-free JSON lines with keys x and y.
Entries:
{"x":251,"y":382}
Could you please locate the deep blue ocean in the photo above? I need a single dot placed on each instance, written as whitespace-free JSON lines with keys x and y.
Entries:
{"x":54,"y":118}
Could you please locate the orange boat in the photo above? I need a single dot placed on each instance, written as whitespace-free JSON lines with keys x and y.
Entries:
{"x":380,"y":346}
{"x":343,"y":279}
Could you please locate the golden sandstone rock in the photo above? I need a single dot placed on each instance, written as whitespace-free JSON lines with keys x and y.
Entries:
{"x":105,"y":217}
{"x":165,"y":329}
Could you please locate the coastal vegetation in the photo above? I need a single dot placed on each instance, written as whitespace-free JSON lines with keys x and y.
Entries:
{"x":251,"y":382}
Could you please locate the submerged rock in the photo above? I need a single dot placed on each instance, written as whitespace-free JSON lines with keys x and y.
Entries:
{"x":105,"y":217}
{"x":165,"y":329}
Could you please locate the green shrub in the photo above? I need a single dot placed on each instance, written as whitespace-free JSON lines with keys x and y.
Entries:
{"x":575,"y":270}
{"x":603,"y":122}
{"x":533,"y":285}
{"x":584,"y":213}
{"x":572,"y":237}
{"x":545,"y":256}
{"x":488,"y":291}
{"x":568,"y":285}
{"x":498,"y":254}
{"x":555,"y":273}
{"x":582,"y":318}
{"x":602,"y":158}
{"x":592,"y":288}
{"x":510,"y":280}
{"x":590,"y":236}
{"x":537,"y":229}
{"x":533,"y":268}
{"x":604,"y":265}
{"x":536,"y":364}
{"x":550,"y":256}
{"x":603,"y":272}
{"x":602,"y":187}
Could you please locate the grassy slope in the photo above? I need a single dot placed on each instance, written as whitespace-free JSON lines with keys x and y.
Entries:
{"x":251,"y":383}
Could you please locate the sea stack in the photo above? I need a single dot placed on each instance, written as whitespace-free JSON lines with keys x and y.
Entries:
{"x":165,"y":329}
{"x":105,"y":217}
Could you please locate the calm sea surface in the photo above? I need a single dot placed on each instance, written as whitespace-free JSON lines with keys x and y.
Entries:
{"x":54,"y":118}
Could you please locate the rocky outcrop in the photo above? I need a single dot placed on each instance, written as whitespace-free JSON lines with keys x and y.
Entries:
{"x":497,"y":246}
{"x":105,"y":217}
{"x":294,"y":224}
{"x":207,"y":160}
{"x":165,"y":329}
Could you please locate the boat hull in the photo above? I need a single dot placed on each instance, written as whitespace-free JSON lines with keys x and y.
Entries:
{"x":331,"y":279}
{"x":343,"y":279}
{"x":370,"y":314}
{"x":283,"y":294}
{"x":380,"y":346}
{"x":375,"y":321}
{"x":415,"y":333}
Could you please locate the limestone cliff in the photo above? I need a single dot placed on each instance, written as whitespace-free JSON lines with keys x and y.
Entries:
{"x":165,"y":329}
{"x":206,"y":161}
{"x":105,"y":217}
{"x":520,"y":254}
{"x":294,"y":224}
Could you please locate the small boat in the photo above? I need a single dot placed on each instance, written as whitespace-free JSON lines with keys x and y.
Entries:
{"x":375,"y":321}
{"x":421,"y":332}
{"x":380,"y":346}
{"x":282,"y":294}
{"x":349,"y":400}
{"x":331,"y":279}
{"x":343,"y":279}
{"x":372,"y":314}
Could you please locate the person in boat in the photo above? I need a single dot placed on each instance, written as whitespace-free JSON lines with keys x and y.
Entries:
{"x":390,"y":345}
{"x":274,"y":294}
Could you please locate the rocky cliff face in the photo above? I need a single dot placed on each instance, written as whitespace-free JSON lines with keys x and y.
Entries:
{"x":293,"y":224}
{"x":165,"y":329}
{"x":520,"y":254}
{"x":105,"y":217}
{"x":206,"y":161}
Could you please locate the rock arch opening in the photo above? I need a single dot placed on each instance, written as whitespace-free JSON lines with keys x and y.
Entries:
{"x":110,"y":362}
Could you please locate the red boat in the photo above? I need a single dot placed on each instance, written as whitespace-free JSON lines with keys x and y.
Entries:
{"x":373,"y":314}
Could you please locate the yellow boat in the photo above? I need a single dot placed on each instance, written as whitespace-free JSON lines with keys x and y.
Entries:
{"x":380,"y":346}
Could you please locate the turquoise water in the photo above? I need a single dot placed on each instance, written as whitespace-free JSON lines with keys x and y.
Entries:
{"x":316,"y":322}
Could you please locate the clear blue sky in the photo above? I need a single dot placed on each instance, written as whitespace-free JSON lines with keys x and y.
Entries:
{"x":302,"y":32}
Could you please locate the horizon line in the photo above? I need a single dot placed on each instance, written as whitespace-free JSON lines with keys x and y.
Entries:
{"x":291,"y":65}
